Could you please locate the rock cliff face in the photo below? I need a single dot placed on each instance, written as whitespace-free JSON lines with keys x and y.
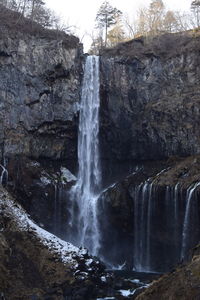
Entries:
{"x":150,"y":102}
{"x":40,"y":79}
{"x":39,"y":94}
{"x":150,"y":98}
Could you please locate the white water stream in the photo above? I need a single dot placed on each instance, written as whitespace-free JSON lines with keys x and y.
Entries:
{"x":84,"y":194}
{"x":187,"y":220}
{"x":4,"y":175}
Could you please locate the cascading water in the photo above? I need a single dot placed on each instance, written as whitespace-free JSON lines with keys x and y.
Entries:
{"x":83,"y":223}
{"x":4,"y":175}
{"x":189,"y":215}
{"x":142,"y":226}
{"x":165,"y":225}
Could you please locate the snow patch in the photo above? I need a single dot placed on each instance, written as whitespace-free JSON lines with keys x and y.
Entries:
{"x":103,"y":278}
{"x":107,"y":298}
{"x":65,"y":251}
{"x":66,"y":175}
{"x":34,"y":164}
{"x":45,"y":180}
{"x":89,"y":261}
{"x":127,"y":293}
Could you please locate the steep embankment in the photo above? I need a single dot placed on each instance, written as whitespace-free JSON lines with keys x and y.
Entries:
{"x":37,"y":265}
{"x":181,"y":284}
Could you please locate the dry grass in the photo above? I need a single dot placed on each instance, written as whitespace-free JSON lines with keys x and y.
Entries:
{"x":165,"y":45}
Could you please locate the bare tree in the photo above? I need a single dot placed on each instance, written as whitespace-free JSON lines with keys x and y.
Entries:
{"x":143,"y":26}
{"x":195,"y":7}
{"x":116,"y":35}
{"x":170,"y":22}
{"x":155,"y":16}
{"x":183,"y":21}
{"x":130,"y":26}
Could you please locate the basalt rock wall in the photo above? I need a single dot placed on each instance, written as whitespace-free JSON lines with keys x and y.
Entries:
{"x":40,"y":79}
{"x":151,"y":98}
{"x":39,"y":94}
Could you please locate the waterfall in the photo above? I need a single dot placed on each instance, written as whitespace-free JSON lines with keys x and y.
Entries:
{"x":187,"y":220}
{"x":83,"y":223}
{"x":142,"y":227}
{"x":4,"y":175}
{"x":166,"y":225}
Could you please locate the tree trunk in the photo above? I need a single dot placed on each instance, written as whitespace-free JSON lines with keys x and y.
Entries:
{"x":32,"y":9}
{"x":106,"y":32}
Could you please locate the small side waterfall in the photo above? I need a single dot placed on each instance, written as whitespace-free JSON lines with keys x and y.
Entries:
{"x":4,"y":175}
{"x":166,"y":227}
{"x":84,"y":195}
{"x":190,"y":211}
{"x":142,"y":226}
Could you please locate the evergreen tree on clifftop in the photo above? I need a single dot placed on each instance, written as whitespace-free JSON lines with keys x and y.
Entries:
{"x":106,"y":17}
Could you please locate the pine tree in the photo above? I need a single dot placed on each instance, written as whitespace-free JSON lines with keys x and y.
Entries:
{"x":106,"y":17}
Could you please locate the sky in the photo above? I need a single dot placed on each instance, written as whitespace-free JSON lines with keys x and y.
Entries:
{"x":82,"y":13}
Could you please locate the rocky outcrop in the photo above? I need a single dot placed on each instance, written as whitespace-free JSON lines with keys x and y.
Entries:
{"x":150,"y":98}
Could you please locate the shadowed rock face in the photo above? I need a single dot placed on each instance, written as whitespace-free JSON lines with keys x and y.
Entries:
{"x":39,"y":95}
{"x":40,"y":79}
{"x":150,"y":99}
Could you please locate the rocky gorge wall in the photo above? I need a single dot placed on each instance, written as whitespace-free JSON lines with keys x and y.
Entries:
{"x":40,"y":78}
{"x":39,"y":92}
{"x":149,"y":112}
{"x":150,"y":120}
{"x":150,"y":98}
